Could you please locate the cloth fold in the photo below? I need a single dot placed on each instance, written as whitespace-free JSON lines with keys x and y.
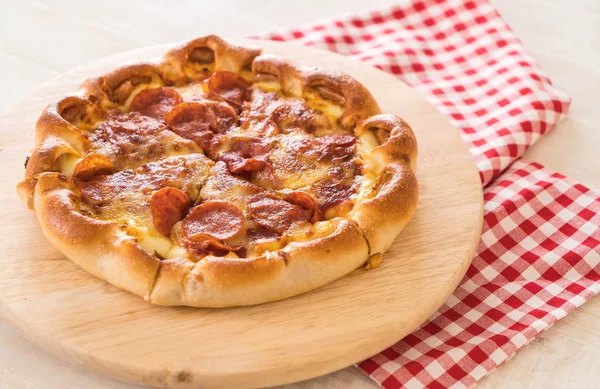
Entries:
{"x":539,"y":254}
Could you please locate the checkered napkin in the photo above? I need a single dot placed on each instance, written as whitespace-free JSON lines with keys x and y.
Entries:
{"x":465,"y":60}
{"x":538,"y":259}
{"x":539,"y":255}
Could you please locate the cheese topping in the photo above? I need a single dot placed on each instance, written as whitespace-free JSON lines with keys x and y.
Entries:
{"x":278,"y":167}
{"x":124,"y":197}
{"x":67,"y":162}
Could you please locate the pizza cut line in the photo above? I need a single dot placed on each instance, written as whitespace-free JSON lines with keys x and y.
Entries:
{"x":220,"y":176}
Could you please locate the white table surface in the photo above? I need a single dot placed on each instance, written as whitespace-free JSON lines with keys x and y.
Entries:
{"x":40,"y":39}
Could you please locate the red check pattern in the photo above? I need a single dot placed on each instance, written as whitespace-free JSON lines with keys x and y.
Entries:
{"x":539,"y":254}
{"x":464,"y":59}
{"x":538,"y":259}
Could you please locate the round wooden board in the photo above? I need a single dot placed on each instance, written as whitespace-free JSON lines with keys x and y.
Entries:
{"x":83,"y":319}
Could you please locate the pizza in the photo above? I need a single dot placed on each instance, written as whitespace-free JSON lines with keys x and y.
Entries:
{"x":219,"y":176}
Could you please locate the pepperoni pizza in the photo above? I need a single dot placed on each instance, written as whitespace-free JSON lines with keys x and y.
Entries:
{"x":219,"y":176}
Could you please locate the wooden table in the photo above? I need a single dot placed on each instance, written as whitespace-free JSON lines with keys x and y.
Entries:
{"x":39,"y":40}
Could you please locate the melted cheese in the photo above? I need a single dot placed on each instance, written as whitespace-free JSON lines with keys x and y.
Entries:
{"x":292,"y":168}
{"x":67,"y":162}
{"x":192,"y":68}
{"x":257,"y":248}
{"x":332,"y":111}
{"x":118,"y":140}
{"x":221,"y":185}
{"x":129,"y":196}
{"x":130,"y":209}
{"x":156,"y":82}
{"x":371,"y":166}
{"x":366,"y":142}
{"x":192,"y":92}
{"x":246,"y":74}
{"x":151,"y":240}
{"x":302,"y":232}
{"x":268,"y":85}
{"x":301,"y":179}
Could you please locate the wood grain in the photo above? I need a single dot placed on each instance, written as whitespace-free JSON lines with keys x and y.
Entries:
{"x":83,"y":319}
{"x":562,"y":36}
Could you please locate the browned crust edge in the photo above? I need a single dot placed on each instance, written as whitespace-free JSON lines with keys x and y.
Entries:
{"x":295,"y":269}
{"x":97,"y":246}
{"x":102,"y":249}
{"x":357,"y":101}
{"x":391,"y":202}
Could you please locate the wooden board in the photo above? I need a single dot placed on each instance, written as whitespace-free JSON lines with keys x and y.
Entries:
{"x":80,"y":318}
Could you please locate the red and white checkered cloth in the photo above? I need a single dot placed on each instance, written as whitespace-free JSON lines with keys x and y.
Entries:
{"x":539,"y":255}
{"x":538,"y":259}
{"x":464,"y":59}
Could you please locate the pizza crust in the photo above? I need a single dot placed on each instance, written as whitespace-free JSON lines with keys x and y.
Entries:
{"x":295,"y":269}
{"x":390,"y":192}
{"x":383,"y":206}
{"x":383,"y":216}
{"x":102,"y":249}
{"x":97,"y":246}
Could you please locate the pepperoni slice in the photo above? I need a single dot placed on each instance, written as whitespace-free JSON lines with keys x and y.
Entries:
{"x":332,"y":147}
{"x":330,"y":193}
{"x":191,"y":118}
{"x":337,"y":140}
{"x":201,"y":122}
{"x":214,"y":247}
{"x":155,"y":102}
{"x":249,"y":165}
{"x":242,"y":166}
{"x":229,"y":86}
{"x":194,"y":121}
{"x":250,"y":148}
{"x":277,"y":215}
{"x":306,"y":201}
{"x":93,"y":165}
{"x":100,"y":190}
{"x":246,"y":156}
{"x":213,"y":219}
{"x":168,"y":206}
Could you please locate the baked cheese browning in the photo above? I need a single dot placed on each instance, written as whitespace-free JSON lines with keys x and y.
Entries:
{"x":325,"y":167}
{"x":299,"y":161}
{"x":286,"y":143}
{"x":273,"y":216}
{"x":222,"y":185}
{"x":129,"y":140}
{"x":236,"y":216}
{"x":287,"y":165}
{"x":335,"y":198}
{"x":290,"y":114}
{"x":145,"y":201}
